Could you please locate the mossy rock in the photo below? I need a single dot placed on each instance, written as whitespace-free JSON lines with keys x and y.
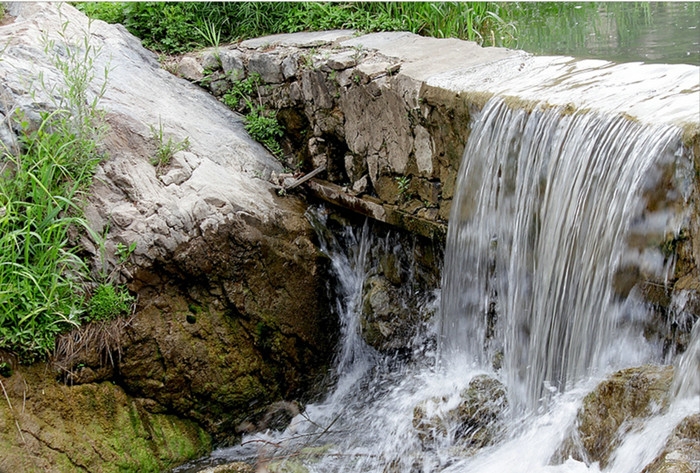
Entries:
{"x":47,"y":426}
{"x":616,"y":406}
{"x":477,"y":421}
{"x":682,"y":451}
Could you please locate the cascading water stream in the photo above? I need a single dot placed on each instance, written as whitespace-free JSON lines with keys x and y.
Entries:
{"x":545,"y":210}
{"x":552,"y":211}
{"x":350,"y":267}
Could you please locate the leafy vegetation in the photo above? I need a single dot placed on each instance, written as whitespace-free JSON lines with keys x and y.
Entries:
{"x":108,"y":302}
{"x":42,"y":185}
{"x":260,"y":123}
{"x":175,"y":27}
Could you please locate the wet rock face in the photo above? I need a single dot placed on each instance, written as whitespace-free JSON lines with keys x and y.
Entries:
{"x":397,"y":300}
{"x":387,"y":322}
{"x":51,"y":427}
{"x":241,"y":322}
{"x":477,"y":421}
{"x":615,"y":407}
{"x":682,"y":451}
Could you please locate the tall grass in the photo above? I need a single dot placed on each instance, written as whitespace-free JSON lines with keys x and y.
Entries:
{"x":42,"y":187}
{"x":40,"y":292}
{"x":176,"y":27}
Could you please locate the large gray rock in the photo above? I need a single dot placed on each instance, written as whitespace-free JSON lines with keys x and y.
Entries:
{"x":232,"y":312}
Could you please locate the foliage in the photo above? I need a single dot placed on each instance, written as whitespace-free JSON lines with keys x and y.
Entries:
{"x":403,"y":182}
{"x":175,"y":27}
{"x":108,"y":302}
{"x":123,"y":252}
{"x":40,"y":293}
{"x":260,"y":123}
{"x":42,"y":185}
{"x":263,"y":127}
{"x":242,"y":92}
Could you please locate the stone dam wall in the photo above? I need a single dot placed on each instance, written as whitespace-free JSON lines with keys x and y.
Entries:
{"x":388,"y":114}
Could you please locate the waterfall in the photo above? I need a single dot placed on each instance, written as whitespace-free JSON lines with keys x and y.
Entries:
{"x":548,"y":212}
{"x":558,"y":219}
{"x":350,"y":268}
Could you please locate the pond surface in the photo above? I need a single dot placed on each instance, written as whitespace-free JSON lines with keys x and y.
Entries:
{"x":658,"y":32}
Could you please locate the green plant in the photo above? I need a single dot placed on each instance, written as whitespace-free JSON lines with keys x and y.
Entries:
{"x":211,"y":33}
{"x":243,"y":92}
{"x":166,"y":148}
{"x":108,"y":302}
{"x":264,"y":128}
{"x":123,"y":252}
{"x":175,"y":27}
{"x":403,"y":182}
{"x":42,"y":186}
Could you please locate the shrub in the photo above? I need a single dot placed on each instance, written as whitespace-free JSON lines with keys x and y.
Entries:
{"x":175,"y":27}
{"x":264,"y":128}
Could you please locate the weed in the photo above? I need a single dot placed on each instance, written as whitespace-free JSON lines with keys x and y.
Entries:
{"x":41,"y":274}
{"x":123,"y":252}
{"x":404,"y":182}
{"x":260,"y":123}
{"x":211,"y":33}
{"x":175,"y":27}
{"x":166,"y":148}
{"x":242,"y":92}
{"x":264,"y":128}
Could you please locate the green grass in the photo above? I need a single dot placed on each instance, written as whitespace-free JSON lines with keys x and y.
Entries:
{"x":43,"y":278}
{"x":40,"y":272}
{"x":174,"y":27}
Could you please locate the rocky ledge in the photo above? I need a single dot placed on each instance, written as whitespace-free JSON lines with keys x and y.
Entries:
{"x":232,"y":310}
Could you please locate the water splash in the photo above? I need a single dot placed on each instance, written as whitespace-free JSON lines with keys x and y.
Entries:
{"x":350,"y":267}
{"x":686,"y":381}
{"x":543,"y":219}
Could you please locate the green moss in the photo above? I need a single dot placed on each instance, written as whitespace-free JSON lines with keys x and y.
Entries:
{"x":95,"y":427}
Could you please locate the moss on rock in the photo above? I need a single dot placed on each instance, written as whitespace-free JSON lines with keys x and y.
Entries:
{"x":50,"y":427}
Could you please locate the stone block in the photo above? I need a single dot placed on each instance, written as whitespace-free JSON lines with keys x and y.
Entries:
{"x":423,"y":151}
{"x":387,"y":189}
{"x":341,"y":61}
{"x":210,"y":60}
{"x":232,"y":63}
{"x":425,"y":190}
{"x":289,"y":67}
{"x":189,"y":68}
{"x":315,"y":89}
{"x":268,"y":66}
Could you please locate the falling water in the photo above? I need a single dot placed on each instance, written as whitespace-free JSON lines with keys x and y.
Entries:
{"x":553,"y":210}
{"x":546,"y":210}
{"x":350,"y":268}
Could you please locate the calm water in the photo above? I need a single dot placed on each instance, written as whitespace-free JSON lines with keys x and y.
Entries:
{"x":658,"y":32}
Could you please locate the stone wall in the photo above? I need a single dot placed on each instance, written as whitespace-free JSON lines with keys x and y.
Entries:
{"x":383,"y":137}
{"x":388,"y":115}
